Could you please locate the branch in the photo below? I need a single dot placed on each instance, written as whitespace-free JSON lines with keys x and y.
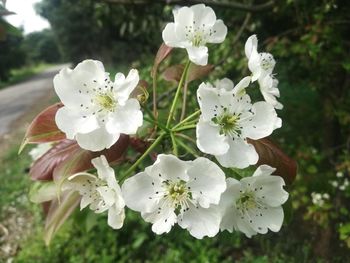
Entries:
{"x":225,"y":4}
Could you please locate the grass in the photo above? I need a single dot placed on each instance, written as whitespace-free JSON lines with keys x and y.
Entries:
{"x":18,"y":75}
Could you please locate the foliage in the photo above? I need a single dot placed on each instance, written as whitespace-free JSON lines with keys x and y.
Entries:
{"x":41,"y":47}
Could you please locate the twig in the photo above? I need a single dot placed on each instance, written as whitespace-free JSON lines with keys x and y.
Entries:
{"x":224,"y":4}
{"x":237,"y":37}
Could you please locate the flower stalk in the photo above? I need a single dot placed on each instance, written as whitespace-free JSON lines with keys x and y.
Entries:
{"x":177,"y":94}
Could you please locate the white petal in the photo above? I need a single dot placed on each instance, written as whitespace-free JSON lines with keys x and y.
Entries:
{"x":123,"y":87}
{"x":85,"y":201}
{"x":89,"y":70}
{"x":207,"y":182}
{"x":268,"y":87}
{"x":108,"y":195}
{"x":68,"y":90}
{"x":126,"y":119}
{"x":209,"y":139}
{"x":170,"y":38}
{"x":139,"y":191}
{"x":104,"y":171}
{"x":264,"y":170}
{"x":269,"y":218}
{"x":183,"y":18}
{"x":97,"y":140}
{"x":240,"y":155}
{"x":168,"y":167}
{"x":239,"y":89}
{"x":244,"y":226}
{"x":267,"y":62}
{"x":263,"y":121}
{"x":72,"y":122}
{"x":269,"y":188}
{"x":208,"y":100}
{"x":254,"y":65}
{"x":224,"y":84}
{"x":116,"y":217}
{"x":203,"y":15}
{"x":162,"y":219}
{"x":201,"y":222}
{"x":227,"y":205}
{"x":198,"y":55}
{"x":219,"y":32}
{"x":250,"y":45}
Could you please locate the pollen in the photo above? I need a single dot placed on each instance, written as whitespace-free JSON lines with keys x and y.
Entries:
{"x":228,"y":123}
{"x":106,"y":101}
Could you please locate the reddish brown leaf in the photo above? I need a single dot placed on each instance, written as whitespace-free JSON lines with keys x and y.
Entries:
{"x":163,"y":53}
{"x":138,"y":144}
{"x":42,"y":168}
{"x":58,"y":213}
{"x":67,"y":158}
{"x":174,"y":73}
{"x":198,"y":72}
{"x":43,"y":128}
{"x":272,"y":155}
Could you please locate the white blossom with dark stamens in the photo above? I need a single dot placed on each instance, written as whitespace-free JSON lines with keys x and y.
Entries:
{"x":175,"y":191}
{"x":228,"y":119}
{"x":254,"y":204}
{"x":96,"y":110}
{"x":261,"y":65}
{"x":192,"y":29}
{"x":100,"y":193}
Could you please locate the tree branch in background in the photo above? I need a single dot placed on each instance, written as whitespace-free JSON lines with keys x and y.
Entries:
{"x":237,"y":36}
{"x":226,"y":4}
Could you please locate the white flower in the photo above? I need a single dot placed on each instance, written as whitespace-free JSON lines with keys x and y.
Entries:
{"x":253,"y":205}
{"x":101,"y":192}
{"x":40,"y":150}
{"x":261,"y":65}
{"x":339,"y":174}
{"x":334,"y":184}
{"x":192,"y":29}
{"x":227,"y":121}
{"x":319,"y":199}
{"x":96,"y":111}
{"x":268,"y":87}
{"x":175,"y":191}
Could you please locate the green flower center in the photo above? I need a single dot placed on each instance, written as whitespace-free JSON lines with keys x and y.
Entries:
{"x":246,"y":201}
{"x":179,"y":193}
{"x":197,"y":39}
{"x":106,"y":101}
{"x":228,"y":123}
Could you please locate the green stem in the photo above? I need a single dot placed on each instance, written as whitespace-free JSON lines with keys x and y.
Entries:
{"x":174,"y":142}
{"x":183,"y":128}
{"x":187,"y":148}
{"x":193,"y":115}
{"x":177,"y":94}
{"x":154,"y":95}
{"x":143,"y":156}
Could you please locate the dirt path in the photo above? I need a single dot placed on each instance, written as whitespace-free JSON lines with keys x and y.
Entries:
{"x":19,"y":99}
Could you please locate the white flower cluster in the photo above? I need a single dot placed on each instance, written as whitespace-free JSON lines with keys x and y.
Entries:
{"x":341,"y":183}
{"x":194,"y":194}
{"x":319,"y":199}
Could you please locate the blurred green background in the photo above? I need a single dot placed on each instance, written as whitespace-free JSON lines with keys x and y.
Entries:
{"x":310,"y":41}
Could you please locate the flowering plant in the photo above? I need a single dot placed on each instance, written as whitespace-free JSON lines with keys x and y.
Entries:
{"x":97,"y":157}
